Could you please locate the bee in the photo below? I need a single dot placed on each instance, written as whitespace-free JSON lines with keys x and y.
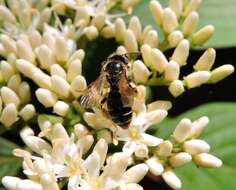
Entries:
{"x":112,"y":91}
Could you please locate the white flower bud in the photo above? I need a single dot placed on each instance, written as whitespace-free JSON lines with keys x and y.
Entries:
{"x":193,"y":5}
{"x":24,"y":51}
{"x":91,"y":32}
{"x":176,"y":6}
{"x":27,"y":112}
{"x":44,"y":123}
{"x":221,"y":72}
{"x":171,"y":179}
{"x":190,"y":23}
{"x":136,"y":27}
{"x":164,"y":149}
{"x":175,"y":37}
{"x":176,"y":88}
{"x":42,"y":79}
{"x":90,"y":119}
{"x":6,"y":15}
{"x":3,"y":52}
{"x":182,"y":130}
{"x":140,"y":72}
{"x":56,"y":69}
{"x":60,"y":86}
{"x":204,"y":34}
{"x":146,"y":54}
{"x":151,"y":38}
{"x":25,"y":67}
{"x":7,"y":70}
{"x":9,"y":115}
{"x":49,"y":40}
{"x":120,"y":30}
{"x":49,"y":182}
{"x":59,"y":132}
{"x":24,"y":92}
{"x":170,"y":21}
{"x":60,"y":108}
{"x":130,"y":41}
{"x":108,"y":31}
{"x":82,"y":18}
{"x":207,"y":160}
{"x":158,"y":60}
{"x":78,"y":85}
{"x":180,"y":159}
{"x":0,"y":105}
{"x":8,"y":43}
{"x":25,"y":132}
{"x":61,"y":49}
{"x":46,"y":97}
{"x":121,"y":50}
{"x":155,"y":167}
{"x":14,"y":82}
{"x":37,"y":144}
{"x":155,"y":116}
{"x":196,"y":146}
{"x":44,"y":17}
{"x":157,"y":11}
{"x":159,"y":104}
{"x":141,"y":151}
{"x":35,"y":38}
{"x":197,"y":78}
{"x":140,"y":170}
{"x":198,"y":126}
{"x":172,"y":71}
{"x":206,"y":61}
{"x":80,"y":130}
{"x":10,"y":182}
{"x":85,"y":142}
{"x":146,"y":29}
{"x":79,"y":54}
{"x":99,"y":20}
{"x":9,"y":96}
{"x":181,"y":52}
{"x":45,"y":56}
{"x":74,"y":69}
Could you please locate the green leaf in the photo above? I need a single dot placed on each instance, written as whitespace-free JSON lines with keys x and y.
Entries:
{"x":220,"y":134}
{"x":219,"y":13}
{"x":9,"y":165}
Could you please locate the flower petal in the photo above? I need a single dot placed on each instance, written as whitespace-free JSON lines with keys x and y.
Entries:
{"x":150,"y":140}
{"x":129,"y":148}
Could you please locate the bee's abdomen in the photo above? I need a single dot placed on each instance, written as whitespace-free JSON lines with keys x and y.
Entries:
{"x":119,"y":113}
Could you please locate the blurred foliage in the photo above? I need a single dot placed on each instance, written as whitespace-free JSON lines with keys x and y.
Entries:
{"x":219,"y":13}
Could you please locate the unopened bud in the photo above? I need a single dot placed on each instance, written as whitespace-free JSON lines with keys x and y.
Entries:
{"x":46,"y":97}
{"x":27,"y":112}
{"x":61,"y":49}
{"x":158,"y":60}
{"x":146,"y":54}
{"x":130,"y":41}
{"x":182,"y":130}
{"x":198,"y":126}
{"x":159,"y":104}
{"x":136,"y":28}
{"x":14,"y":82}
{"x":141,"y":151}
{"x":190,"y":24}
{"x":9,"y":115}
{"x":99,"y":20}
{"x":25,"y":67}
{"x":170,"y":21}
{"x":7,"y":70}
{"x":9,"y":96}
{"x":6,"y":15}
{"x":91,"y":32}
{"x":35,"y":38}
{"x":74,"y":69}
{"x":78,"y":85}
{"x":204,"y":34}
{"x":206,"y":61}
{"x":171,"y":179}
{"x":120,"y":30}
{"x":79,"y":54}
{"x":60,"y":86}
{"x":42,"y":79}
{"x":176,"y":6}
{"x":56,"y":69}
{"x":164,"y":149}
{"x":180,"y":159}
{"x":108,"y":31}
{"x":121,"y":50}
{"x":172,"y":71}
{"x":45,"y":56}
{"x":181,"y":52}
{"x":24,"y":51}
{"x":140,"y":72}
{"x":151,"y":38}
{"x":176,"y":88}
{"x":155,"y":167}
{"x":24,"y":92}
{"x":44,"y":17}
{"x":197,"y":78}
{"x":193,"y":5}
{"x":221,"y":72}
{"x":175,"y":37}
{"x":157,"y":11}
{"x":60,"y":108}
{"x":8,"y":43}
{"x":196,"y":146}
{"x":207,"y":160}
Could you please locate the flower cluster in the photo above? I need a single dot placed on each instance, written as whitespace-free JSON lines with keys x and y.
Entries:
{"x":39,"y":44}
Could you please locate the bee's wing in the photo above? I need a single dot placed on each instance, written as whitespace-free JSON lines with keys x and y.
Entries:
{"x":92,"y":96}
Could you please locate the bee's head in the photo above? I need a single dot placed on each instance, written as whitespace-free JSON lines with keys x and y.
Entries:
{"x":114,"y":67}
